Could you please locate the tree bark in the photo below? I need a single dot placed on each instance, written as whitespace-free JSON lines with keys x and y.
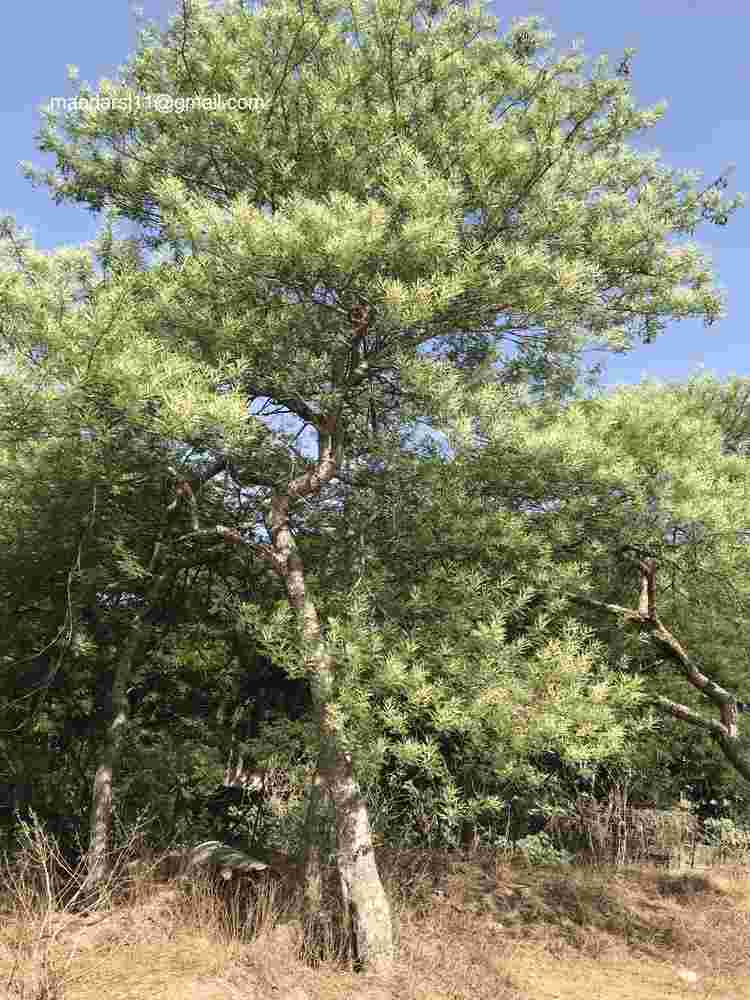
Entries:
{"x":367,"y":913}
{"x":366,"y":908}
{"x":311,"y":862}
{"x":311,"y":868}
{"x":100,"y":824}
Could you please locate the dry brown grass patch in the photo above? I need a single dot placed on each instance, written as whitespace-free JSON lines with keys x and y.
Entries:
{"x":467,"y":927}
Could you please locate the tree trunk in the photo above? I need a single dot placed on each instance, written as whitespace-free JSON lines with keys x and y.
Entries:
{"x":100,"y":823}
{"x":311,"y":869}
{"x":311,"y":864}
{"x":100,"y":828}
{"x":100,"y":832}
{"x":367,"y":912}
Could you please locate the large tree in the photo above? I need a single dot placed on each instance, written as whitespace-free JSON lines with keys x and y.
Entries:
{"x":408,"y":192}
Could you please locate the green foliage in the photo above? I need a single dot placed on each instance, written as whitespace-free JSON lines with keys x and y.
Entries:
{"x":733,"y":842}
{"x":538,"y":849}
{"x":348,"y":266}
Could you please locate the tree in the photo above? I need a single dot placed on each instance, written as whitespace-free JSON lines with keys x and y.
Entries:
{"x":409,"y":178}
{"x":649,"y":486}
{"x":83,"y":476}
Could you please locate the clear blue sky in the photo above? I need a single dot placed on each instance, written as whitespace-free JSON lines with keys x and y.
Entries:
{"x":693,"y":53}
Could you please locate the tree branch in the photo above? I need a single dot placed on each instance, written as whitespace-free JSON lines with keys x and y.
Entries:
{"x":725,"y":732}
{"x":233,"y":537}
{"x":674,"y":651}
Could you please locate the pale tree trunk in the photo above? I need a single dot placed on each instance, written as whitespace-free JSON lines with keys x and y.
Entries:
{"x":366,"y":909}
{"x":367,"y":913}
{"x":100,"y":822}
{"x":311,"y":862}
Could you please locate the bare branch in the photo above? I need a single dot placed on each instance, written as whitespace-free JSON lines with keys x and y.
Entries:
{"x":233,"y":537}
{"x":725,"y":732}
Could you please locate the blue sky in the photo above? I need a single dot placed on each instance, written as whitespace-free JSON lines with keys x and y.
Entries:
{"x":693,"y":53}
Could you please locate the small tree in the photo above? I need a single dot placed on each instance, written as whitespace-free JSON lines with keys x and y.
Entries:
{"x":75,"y":407}
{"x":648,"y":483}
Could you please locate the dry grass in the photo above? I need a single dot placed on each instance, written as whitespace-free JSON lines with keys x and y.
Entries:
{"x":467,"y":927}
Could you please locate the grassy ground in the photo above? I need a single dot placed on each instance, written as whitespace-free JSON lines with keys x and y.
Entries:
{"x":468,"y":927}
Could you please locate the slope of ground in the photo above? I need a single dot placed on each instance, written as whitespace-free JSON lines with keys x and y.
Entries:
{"x":468,"y":927}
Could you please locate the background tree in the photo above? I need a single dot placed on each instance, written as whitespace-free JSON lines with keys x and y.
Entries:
{"x":84,"y":484}
{"x":641,"y":487}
